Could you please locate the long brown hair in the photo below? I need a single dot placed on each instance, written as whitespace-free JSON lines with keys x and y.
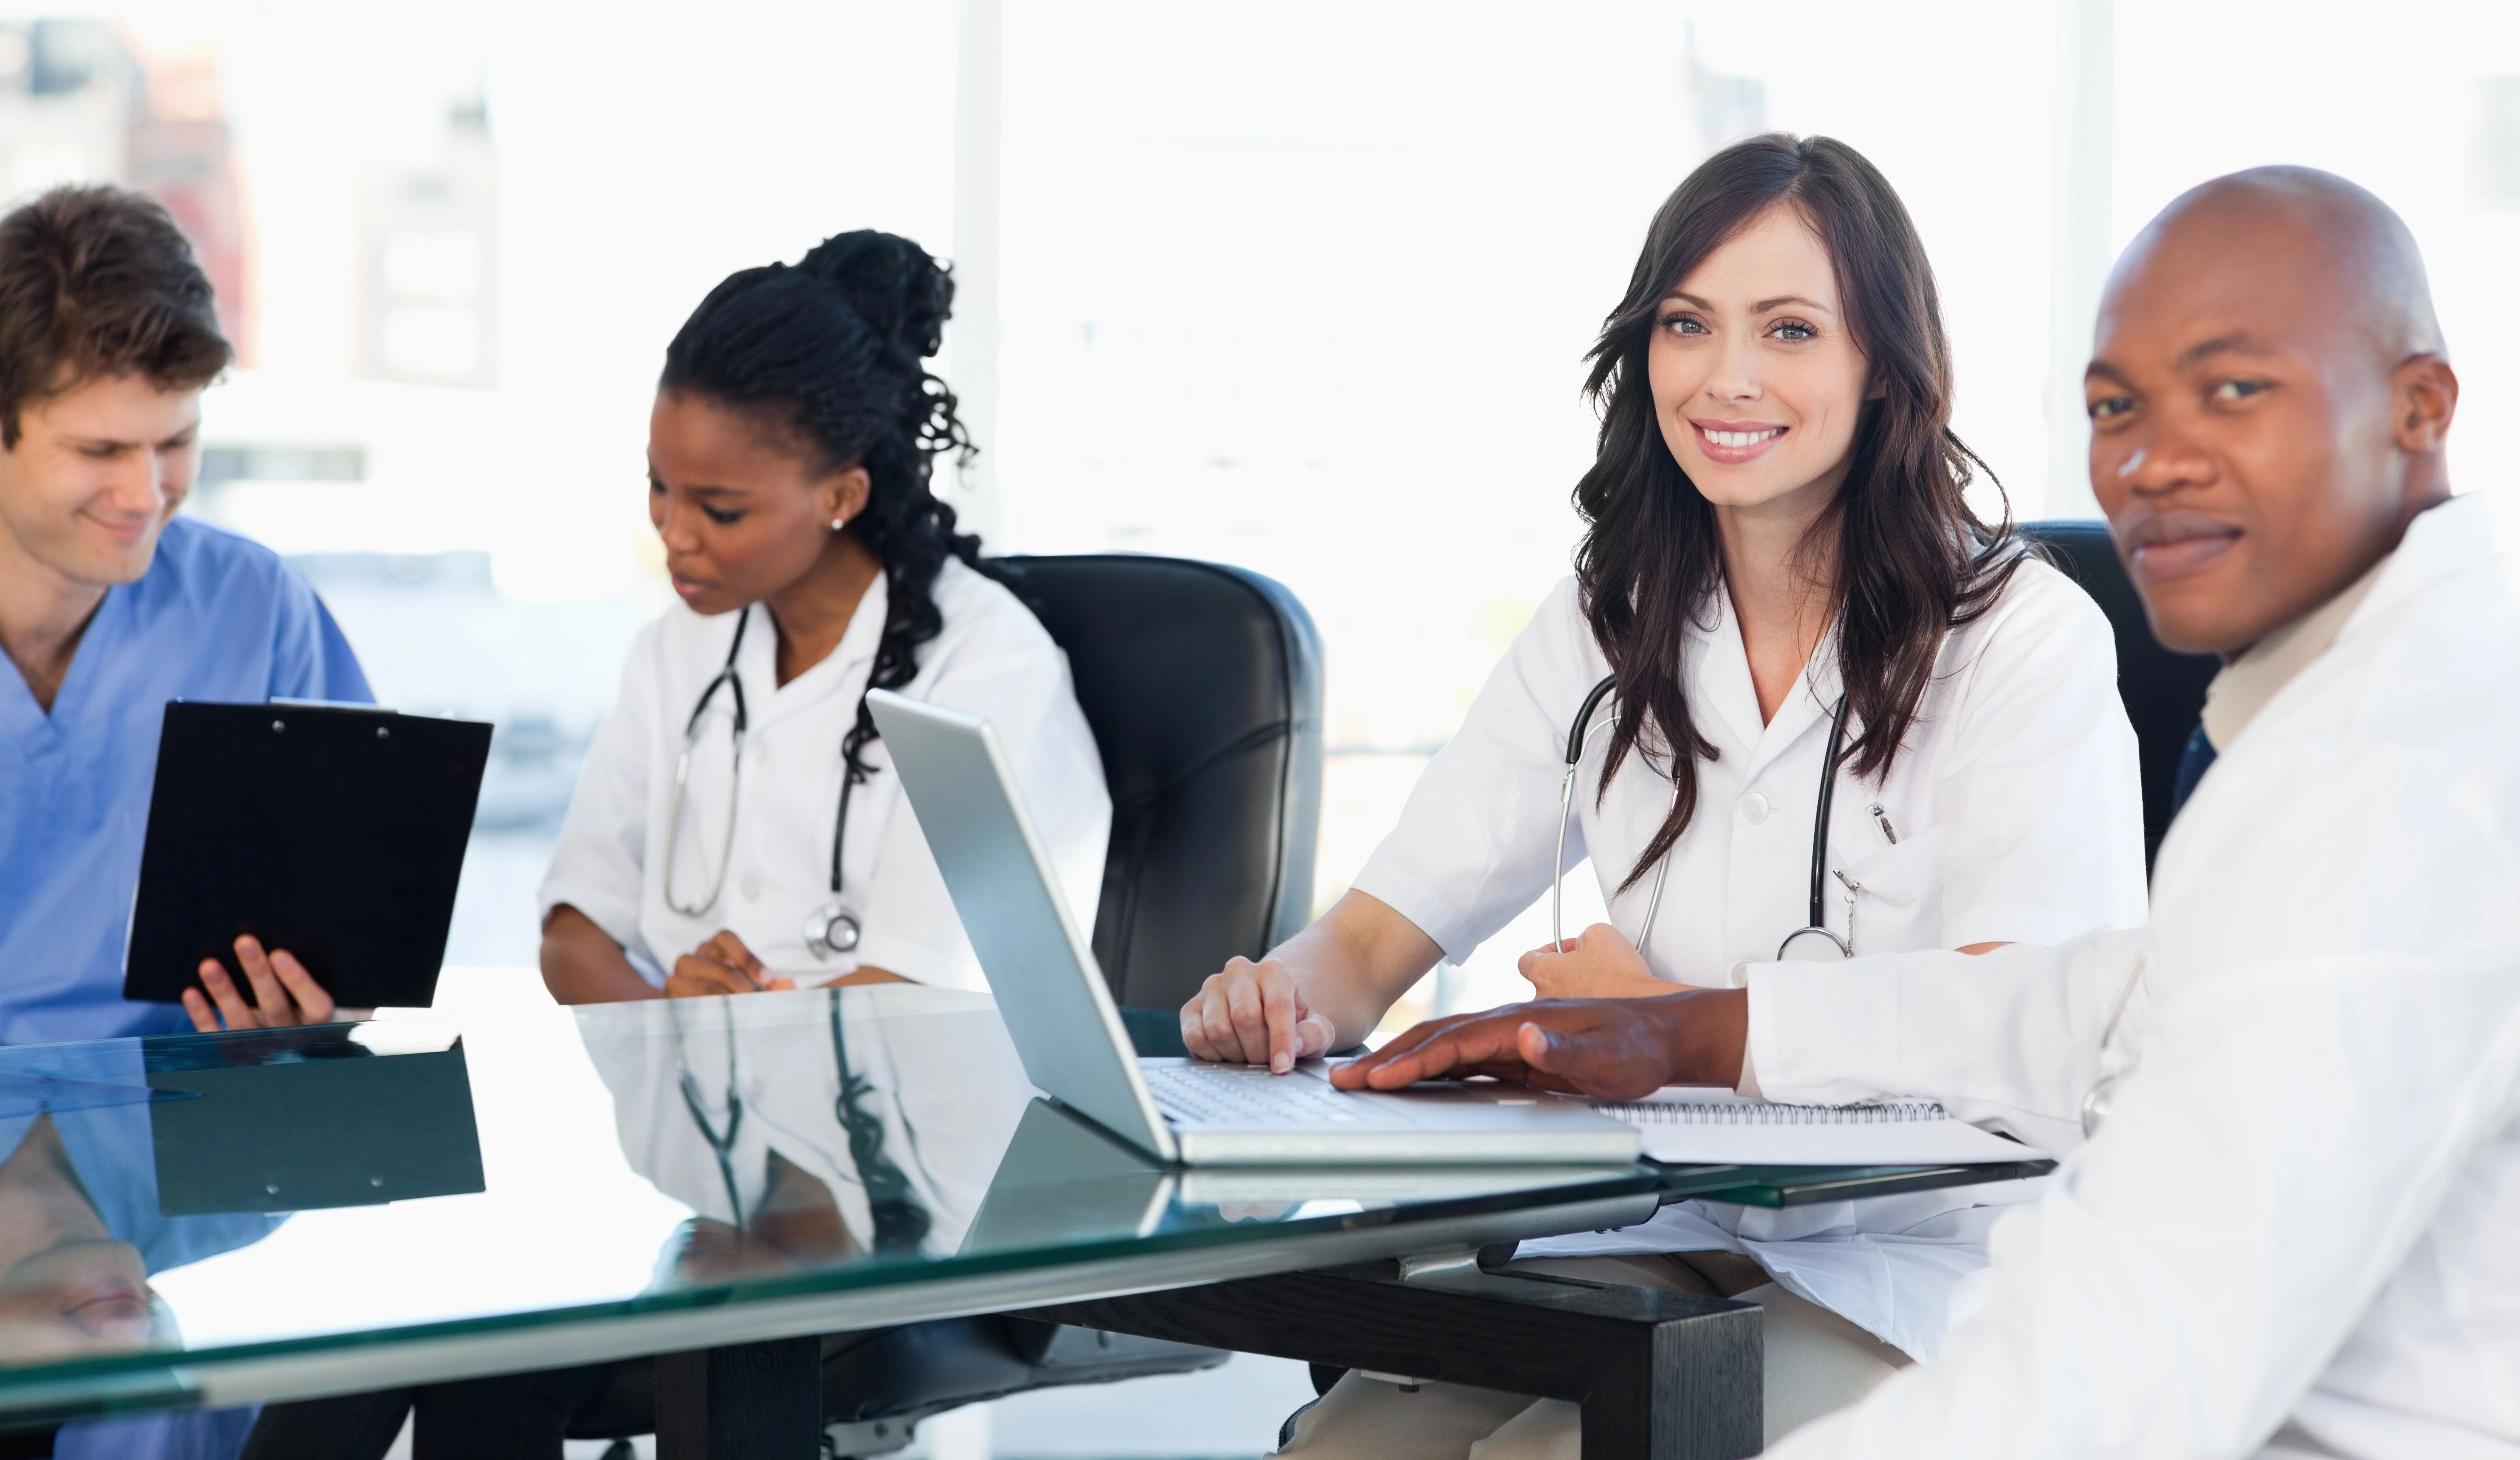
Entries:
{"x":1913,"y":559}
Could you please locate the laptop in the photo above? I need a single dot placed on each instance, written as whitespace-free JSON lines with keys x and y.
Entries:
{"x":1068,"y":1031}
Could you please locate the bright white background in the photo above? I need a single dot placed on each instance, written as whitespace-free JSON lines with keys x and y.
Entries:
{"x":1302,"y":286}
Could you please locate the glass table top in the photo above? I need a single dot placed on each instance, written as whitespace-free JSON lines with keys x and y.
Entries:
{"x":223,"y":1219}
{"x":207,"y":1218}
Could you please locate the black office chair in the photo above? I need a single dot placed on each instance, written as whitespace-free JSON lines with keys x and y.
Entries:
{"x":1202,"y":685}
{"x":2163,"y":690}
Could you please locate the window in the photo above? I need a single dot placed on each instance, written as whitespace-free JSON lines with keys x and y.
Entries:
{"x":1305,"y":287}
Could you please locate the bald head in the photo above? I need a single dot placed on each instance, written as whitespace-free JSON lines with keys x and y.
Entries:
{"x":2353,"y":247}
{"x":2269,"y":393}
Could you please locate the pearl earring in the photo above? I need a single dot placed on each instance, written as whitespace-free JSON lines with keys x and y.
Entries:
{"x":839,"y":522}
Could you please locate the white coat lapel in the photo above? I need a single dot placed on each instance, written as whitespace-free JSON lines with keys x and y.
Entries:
{"x":1723,"y":700}
{"x":1809,"y":705}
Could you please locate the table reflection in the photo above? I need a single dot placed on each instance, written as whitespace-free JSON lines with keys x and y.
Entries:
{"x":82,"y":1235}
{"x":128,"y":1159}
{"x":893,"y":1123}
{"x":308,"y":1187}
{"x":867,"y":1129}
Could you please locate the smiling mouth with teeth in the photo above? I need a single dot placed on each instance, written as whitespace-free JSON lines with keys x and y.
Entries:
{"x":1743,"y":438}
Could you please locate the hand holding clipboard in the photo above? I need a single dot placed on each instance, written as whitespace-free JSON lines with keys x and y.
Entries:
{"x":359,"y":820}
{"x":278,"y":990}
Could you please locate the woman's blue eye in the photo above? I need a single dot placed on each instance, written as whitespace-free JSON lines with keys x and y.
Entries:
{"x":1796,"y":331}
{"x":1681,"y":324}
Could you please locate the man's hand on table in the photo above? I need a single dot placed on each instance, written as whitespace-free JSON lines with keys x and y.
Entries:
{"x":1608,"y":1048}
{"x":283,"y":992}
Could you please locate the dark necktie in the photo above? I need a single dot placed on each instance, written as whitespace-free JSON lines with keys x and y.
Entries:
{"x":2192,"y":765}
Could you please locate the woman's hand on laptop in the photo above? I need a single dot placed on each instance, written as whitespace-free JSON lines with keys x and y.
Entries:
{"x":283,"y":992}
{"x":1609,"y":1049}
{"x":1254,"y":1014}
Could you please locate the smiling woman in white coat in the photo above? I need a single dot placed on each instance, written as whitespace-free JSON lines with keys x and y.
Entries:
{"x":1783,"y":588}
{"x":736,"y":825}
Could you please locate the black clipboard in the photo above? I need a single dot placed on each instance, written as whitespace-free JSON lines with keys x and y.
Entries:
{"x":334,"y":831}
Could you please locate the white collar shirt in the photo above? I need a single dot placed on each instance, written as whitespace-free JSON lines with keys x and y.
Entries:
{"x":2242,"y":687}
{"x":2300,"y":1226}
{"x":2018,"y":816}
{"x":992,"y":658}
{"x":2014,"y":802}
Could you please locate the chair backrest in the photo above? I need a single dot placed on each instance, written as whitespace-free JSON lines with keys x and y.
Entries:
{"x":2162,"y":690}
{"x":1203,"y":683}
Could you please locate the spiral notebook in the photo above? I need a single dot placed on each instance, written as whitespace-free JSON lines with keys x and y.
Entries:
{"x":1690,"y":1126}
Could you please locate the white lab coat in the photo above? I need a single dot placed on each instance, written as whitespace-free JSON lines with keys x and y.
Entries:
{"x":993,"y":658}
{"x":2018,"y":814}
{"x":2304,"y":1209}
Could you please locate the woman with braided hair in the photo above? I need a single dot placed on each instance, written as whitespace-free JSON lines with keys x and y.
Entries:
{"x":736,"y":826}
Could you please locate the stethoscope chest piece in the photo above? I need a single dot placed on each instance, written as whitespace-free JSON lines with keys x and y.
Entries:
{"x":832,"y":930}
{"x":1813,"y":945}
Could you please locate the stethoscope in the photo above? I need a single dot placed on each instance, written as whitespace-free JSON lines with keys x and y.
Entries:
{"x":721,"y":1143}
{"x":1575,"y":738}
{"x":2115,"y":1062}
{"x":901,"y":1221}
{"x":831,"y":928}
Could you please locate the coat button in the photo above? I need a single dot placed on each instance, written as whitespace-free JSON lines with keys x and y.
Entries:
{"x":1754,"y":808}
{"x":751,"y":888}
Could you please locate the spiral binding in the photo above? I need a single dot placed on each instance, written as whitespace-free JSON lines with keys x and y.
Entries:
{"x":1764,"y":1113}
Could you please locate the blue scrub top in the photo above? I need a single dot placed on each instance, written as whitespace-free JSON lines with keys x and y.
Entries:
{"x":214,"y":618}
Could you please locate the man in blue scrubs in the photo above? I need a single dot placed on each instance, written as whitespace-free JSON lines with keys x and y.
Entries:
{"x":111,"y":606}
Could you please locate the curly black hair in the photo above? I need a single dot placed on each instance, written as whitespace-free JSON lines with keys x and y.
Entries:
{"x":831,"y":351}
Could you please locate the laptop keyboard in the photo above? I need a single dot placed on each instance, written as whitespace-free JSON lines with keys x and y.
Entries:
{"x":1240,"y":1095}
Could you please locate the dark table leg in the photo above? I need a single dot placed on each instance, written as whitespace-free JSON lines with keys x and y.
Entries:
{"x":1661,"y":1376}
{"x":748,"y":1401}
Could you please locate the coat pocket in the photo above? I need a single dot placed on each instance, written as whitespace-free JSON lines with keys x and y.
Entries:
{"x":1901,"y":902}
{"x":1905,"y":875}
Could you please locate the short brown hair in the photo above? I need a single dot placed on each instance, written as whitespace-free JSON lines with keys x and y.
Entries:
{"x":95,"y":283}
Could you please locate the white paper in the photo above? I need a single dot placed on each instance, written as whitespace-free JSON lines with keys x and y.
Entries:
{"x":1810,"y":1136}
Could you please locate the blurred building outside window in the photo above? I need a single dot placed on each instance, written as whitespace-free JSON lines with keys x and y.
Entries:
{"x":1305,"y":287}
{"x":1301,"y":285}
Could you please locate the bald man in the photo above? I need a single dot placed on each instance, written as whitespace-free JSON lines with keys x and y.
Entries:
{"x":2295,"y":1228}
